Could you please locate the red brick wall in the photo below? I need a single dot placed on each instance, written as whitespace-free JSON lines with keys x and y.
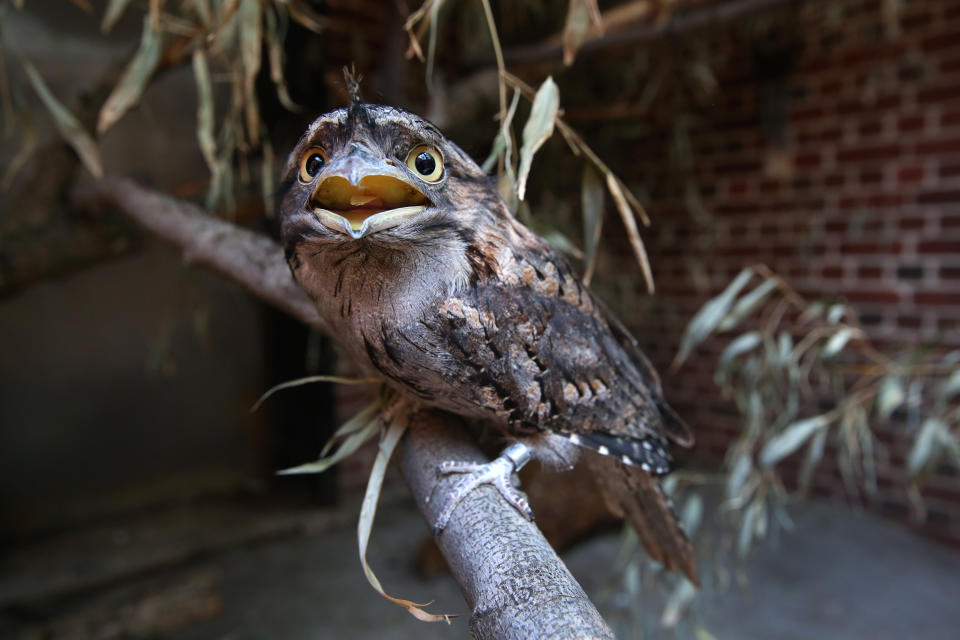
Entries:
{"x":865,"y":205}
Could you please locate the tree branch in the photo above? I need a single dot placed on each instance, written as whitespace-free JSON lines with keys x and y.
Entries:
{"x":515,"y":584}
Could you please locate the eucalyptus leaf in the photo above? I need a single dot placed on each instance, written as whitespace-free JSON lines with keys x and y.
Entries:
{"x":742,"y":344}
{"x":678,"y":601}
{"x":926,"y":446}
{"x":814,"y":455}
{"x":582,"y":17}
{"x":791,"y":438}
{"x":739,"y":472}
{"x":350,"y":444}
{"x":692,"y":514}
{"x":747,"y":305}
{"x":890,"y":396}
{"x":205,"y":108}
{"x":620,"y":198}
{"x":950,"y":386}
{"x":591,"y":200}
{"x":710,"y":316}
{"x":112,"y":15}
{"x":134,"y":79}
{"x":67,"y":124}
{"x":838,"y":341}
{"x":835,"y":313}
{"x":538,"y":129}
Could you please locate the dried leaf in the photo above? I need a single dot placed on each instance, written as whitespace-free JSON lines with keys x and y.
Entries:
{"x":591,"y":199}
{"x":583,"y":17}
{"x":134,"y":79}
{"x":838,"y":341}
{"x":747,"y":305}
{"x":538,"y":129}
{"x":681,"y":597}
{"x":710,"y":316}
{"x":309,"y":380}
{"x":369,"y":509}
{"x":951,"y":386}
{"x":791,"y":438}
{"x":356,"y":439}
{"x":67,"y":125}
{"x":927,"y":445}
{"x":205,"y":108}
{"x":275,"y":55}
{"x":114,"y":12}
{"x":812,"y":459}
{"x":738,"y":475}
{"x":742,"y":344}
{"x":626,"y":214}
{"x":250,"y":36}
{"x":890,"y":397}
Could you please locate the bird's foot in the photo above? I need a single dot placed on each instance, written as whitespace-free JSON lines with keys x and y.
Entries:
{"x":497,"y":473}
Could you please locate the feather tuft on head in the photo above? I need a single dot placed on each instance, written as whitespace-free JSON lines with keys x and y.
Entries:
{"x":352,"y":79}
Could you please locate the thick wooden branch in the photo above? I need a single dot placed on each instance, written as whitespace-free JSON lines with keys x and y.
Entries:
{"x":516,"y":585}
{"x":511,"y":577}
{"x":250,"y":259}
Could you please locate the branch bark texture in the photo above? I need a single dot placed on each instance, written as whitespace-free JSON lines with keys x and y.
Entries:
{"x":515,"y":584}
{"x":513,"y":580}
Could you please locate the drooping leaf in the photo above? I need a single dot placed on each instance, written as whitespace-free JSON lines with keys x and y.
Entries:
{"x":349,"y":446}
{"x":583,"y":16}
{"x":692,"y":514}
{"x":951,"y":386}
{"x":926,"y":446}
{"x":133,"y":80}
{"x":747,"y":305}
{"x":710,"y":316}
{"x":678,"y":601}
{"x":368,"y":510}
{"x":838,"y":341}
{"x":309,"y":380}
{"x":114,"y":12}
{"x":249,"y":17}
{"x":791,"y":438}
{"x":205,"y":108}
{"x":591,"y":201}
{"x":67,"y":124}
{"x":633,"y":233}
{"x":743,"y":343}
{"x":275,"y":55}
{"x":739,"y":472}
{"x":538,"y":129}
{"x":890,"y":396}
{"x":835,"y":313}
{"x":812,"y":459}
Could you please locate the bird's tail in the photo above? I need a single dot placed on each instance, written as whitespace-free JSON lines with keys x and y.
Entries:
{"x":635,"y":495}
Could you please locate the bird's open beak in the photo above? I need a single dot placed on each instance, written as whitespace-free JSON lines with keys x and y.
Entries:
{"x":358,"y":204}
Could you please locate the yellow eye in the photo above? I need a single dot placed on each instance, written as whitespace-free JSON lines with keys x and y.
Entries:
{"x":426,"y":162}
{"x":311,"y":163}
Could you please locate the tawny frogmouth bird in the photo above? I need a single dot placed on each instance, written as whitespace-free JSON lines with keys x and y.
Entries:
{"x":426,"y":278}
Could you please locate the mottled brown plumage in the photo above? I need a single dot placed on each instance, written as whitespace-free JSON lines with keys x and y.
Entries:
{"x":429,"y":282}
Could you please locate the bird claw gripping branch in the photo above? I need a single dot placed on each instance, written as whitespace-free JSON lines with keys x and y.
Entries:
{"x":497,"y":473}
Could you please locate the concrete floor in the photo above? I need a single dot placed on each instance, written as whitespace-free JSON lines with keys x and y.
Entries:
{"x":839,"y":575}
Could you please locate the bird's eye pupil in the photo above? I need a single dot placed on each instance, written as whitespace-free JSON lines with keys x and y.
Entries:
{"x":313,"y":164}
{"x":425,"y":163}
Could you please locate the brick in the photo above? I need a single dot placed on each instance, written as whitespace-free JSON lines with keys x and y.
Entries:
{"x":939,"y":146}
{"x":870,"y":248}
{"x":870,"y":272}
{"x":939,"y":246}
{"x":936,"y":298}
{"x":949,"y":170}
{"x":950,"y":273}
{"x":939,"y":196}
{"x":873,"y":297}
{"x":911,"y":123}
{"x":938,"y":94}
{"x":910,"y":272}
{"x":910,"y":174}
{"x":869,"y":154}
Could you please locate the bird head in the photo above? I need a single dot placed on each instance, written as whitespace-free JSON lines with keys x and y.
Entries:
{"x":377,"y":175}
